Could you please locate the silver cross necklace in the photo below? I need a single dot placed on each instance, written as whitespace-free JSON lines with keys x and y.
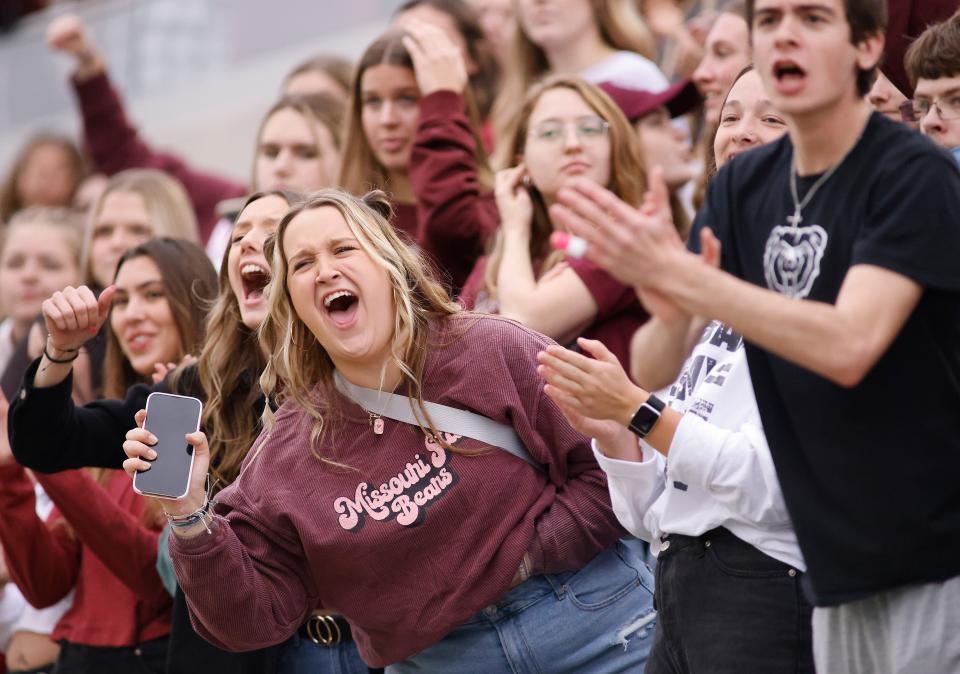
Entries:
{"x":798,"y":205}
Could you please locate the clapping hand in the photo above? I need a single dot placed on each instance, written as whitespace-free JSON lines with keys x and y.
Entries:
{"x":638,"y":246}
{"x":594,"y":394}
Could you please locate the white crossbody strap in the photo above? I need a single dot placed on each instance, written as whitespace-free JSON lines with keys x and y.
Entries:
{"x":446,"y":419}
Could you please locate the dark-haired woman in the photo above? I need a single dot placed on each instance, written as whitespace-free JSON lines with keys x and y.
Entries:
{"x":50,"y":434}
{"x":103,"y":537}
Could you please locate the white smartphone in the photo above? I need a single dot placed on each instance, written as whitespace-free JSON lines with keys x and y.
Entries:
{"x":170,"y":418}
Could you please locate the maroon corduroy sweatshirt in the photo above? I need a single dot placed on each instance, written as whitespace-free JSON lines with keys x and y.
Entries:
{"x":115,"y":145}
{"x":411,"y":539}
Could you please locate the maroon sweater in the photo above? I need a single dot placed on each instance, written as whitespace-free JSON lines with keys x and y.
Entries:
{"x":411,"y":539}
{"x":455,"y":215}
{"x":111,"y":608}
{"x":114,"y":146}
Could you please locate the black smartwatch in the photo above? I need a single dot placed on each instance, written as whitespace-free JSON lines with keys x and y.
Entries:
{"x":647,"y":416}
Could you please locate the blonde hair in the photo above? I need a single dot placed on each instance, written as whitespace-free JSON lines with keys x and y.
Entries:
{"x":298,"y":362}
{"x":171,"y":213}
{"x":628,"y":177}
{"x":317,"y":109}
{"x":621,"y":27}
{"x":360,"y":170}
{"x":337,"y":68}
{"x":65,"y":219}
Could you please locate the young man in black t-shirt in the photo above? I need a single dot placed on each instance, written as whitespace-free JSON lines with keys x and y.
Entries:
{"x":841,"y":269}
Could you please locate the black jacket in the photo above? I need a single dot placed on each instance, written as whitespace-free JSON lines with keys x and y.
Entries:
{"x":48,"y":433}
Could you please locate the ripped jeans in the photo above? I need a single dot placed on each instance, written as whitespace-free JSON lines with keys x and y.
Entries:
{"x":597,"y":620}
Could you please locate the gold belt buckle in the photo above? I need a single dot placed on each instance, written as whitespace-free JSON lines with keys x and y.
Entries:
{"x":324,"y":630}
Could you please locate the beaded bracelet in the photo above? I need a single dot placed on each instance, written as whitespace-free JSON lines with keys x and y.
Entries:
{"x":202,"y":514}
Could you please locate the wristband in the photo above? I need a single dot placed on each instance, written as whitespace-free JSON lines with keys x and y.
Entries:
{"x":61,"y":361}
{"x":202,"y":514}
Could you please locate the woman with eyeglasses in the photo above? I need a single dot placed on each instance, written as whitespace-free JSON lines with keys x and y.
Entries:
{"x":566,"y":128}
{"x":689,"y":468}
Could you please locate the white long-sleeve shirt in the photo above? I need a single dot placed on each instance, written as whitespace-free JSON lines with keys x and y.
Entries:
{"x":719,"y":472}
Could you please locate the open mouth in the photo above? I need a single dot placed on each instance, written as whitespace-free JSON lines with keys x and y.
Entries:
{"x":788,"y":74}
{"x":255,"y":279}
{"x":341,"y":307}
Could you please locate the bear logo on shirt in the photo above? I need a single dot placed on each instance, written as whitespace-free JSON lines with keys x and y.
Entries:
{"x":791,"y":261}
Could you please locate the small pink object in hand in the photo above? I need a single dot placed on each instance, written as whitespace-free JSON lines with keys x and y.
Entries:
{"x":570,"y":244}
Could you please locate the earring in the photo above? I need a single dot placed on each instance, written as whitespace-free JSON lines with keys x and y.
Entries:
{"x":526,"y":181}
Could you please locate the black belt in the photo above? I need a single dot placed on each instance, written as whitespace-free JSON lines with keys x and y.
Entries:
{"x":326,"y":630}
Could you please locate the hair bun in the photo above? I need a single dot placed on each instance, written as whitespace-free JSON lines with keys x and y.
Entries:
{"x":379,"y":202}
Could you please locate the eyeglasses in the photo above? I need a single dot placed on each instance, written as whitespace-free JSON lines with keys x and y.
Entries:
{"x":588,"y":129}
{"x":947,"y":108}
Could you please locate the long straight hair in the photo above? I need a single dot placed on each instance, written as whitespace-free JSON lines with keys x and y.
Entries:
{"x":360,"y":171}
{"x":11,"y":200}
{"x":229,"y":364}
{"x":190,"y":284}
{"x":171,"y":213}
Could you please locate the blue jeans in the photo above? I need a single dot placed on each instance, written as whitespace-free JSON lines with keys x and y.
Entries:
{"x":301,"y":656}
{"x":597,"y":620}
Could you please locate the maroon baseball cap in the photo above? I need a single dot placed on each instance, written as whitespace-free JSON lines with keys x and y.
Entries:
{"x":679,"y":99}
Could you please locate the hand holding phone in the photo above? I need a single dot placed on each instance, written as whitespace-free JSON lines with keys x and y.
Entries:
{"x":169,"y":419}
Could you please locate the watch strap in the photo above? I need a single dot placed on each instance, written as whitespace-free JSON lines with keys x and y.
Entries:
{"x":647,"y":416}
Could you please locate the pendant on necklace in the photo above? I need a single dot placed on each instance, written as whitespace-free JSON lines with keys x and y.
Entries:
{"x":795,"y":219}
{"x":377,"y":423}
